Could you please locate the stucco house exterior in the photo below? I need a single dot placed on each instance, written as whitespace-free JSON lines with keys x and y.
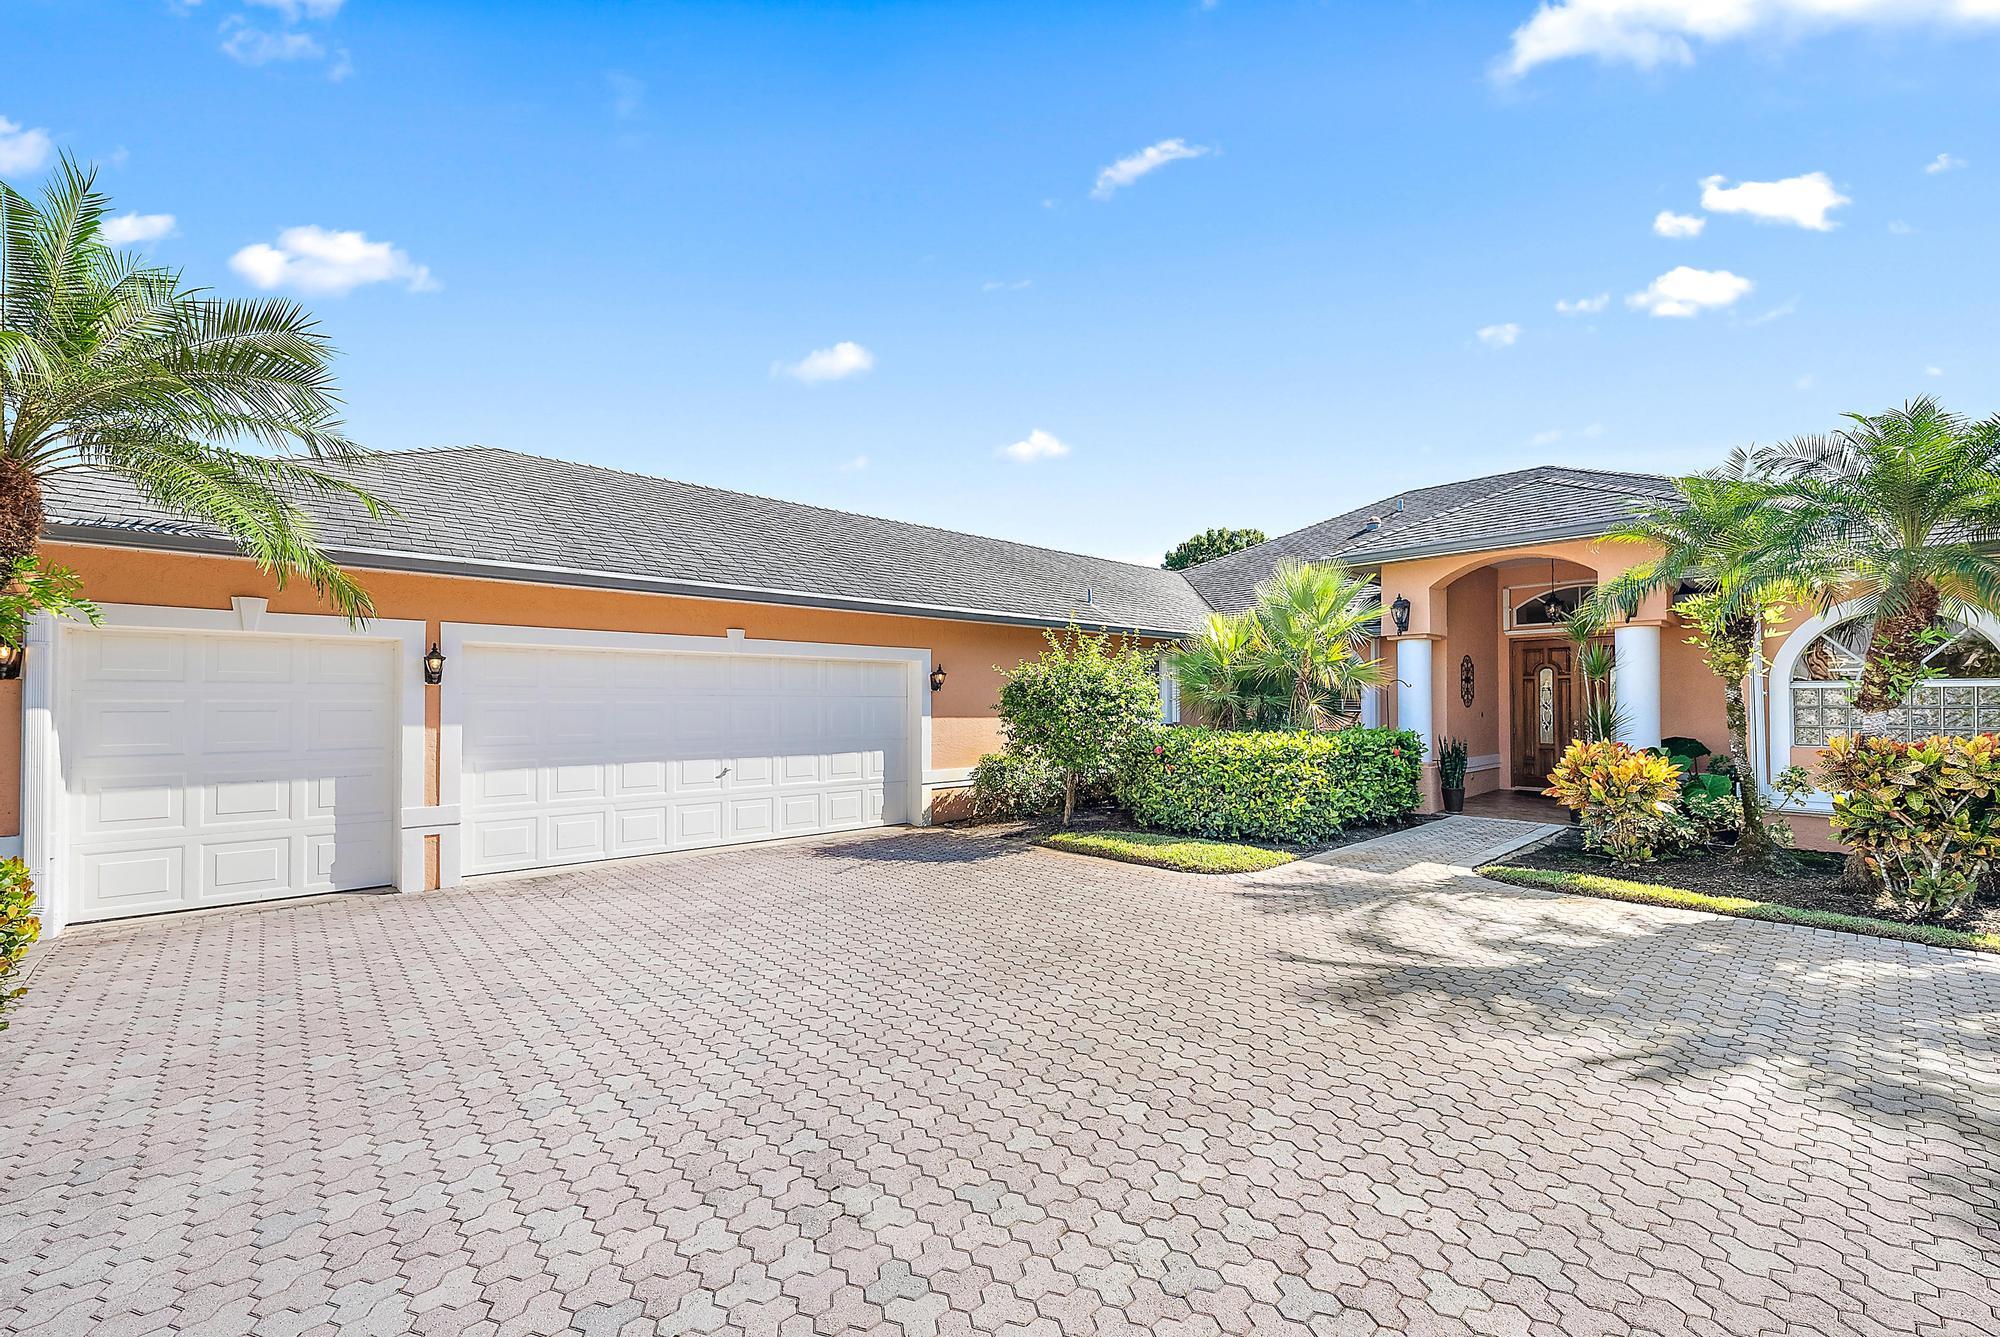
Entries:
{"x":633,"y":665}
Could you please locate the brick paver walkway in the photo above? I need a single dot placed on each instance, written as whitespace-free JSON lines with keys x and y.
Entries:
{"x":942,"y":1083}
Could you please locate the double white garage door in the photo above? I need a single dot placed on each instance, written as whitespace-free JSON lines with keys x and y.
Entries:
{"x":573,"y":755}
{"x":205,"y":770}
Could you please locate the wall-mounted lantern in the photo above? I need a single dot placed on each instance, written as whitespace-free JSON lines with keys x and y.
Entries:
{"x":434,"y":665}
{"x":11,"y":658}
{"x":1400,"y":610}
{"x":937,"y":678}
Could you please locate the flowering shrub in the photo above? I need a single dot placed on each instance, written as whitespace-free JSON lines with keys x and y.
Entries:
{"x":1625,"y":798}
{"x":1292,"y":788}
{"x":1007,"y":785}
{"x":1922,"y":814}
{"x":18,"y":926}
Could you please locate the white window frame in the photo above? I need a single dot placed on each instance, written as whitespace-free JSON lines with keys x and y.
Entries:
{"x":1778,"y":736}
{"x":455,"y":637}
{"x":1527,"y":592}
{"x":44,"y":698}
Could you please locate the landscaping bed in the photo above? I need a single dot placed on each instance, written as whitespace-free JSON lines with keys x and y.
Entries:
{"x":1184,"y":854}
{"x":1095,"y":829}
{"x":1815,"y":893}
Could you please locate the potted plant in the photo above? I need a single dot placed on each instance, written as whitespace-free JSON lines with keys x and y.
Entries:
{"x":1451,"y":772}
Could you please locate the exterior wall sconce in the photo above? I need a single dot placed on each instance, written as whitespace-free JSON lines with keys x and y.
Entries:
{"x":434,"y":665}
{"x":1400,"y":610}
{"x":11,"y":658}
{"x":937,"y":678}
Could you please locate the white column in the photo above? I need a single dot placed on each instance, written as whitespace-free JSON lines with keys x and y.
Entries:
{"x":1413,"y":690}
{"x":41,"y":772}
{"x":1636,"y":682}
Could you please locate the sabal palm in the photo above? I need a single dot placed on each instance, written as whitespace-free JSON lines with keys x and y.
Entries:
{"x":1722,"y":534}
{"x":1899,"y":511}
{"x":1315,"y":621}
{"x":220,"y":411}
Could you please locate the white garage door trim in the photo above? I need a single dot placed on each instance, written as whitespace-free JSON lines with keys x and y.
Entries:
{"x":457,"y":636}
{"x":44,"y":809}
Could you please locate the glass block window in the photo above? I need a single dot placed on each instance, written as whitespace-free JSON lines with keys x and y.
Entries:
{"x":1963,"y":698}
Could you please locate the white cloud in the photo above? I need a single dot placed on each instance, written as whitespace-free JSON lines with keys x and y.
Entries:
{"x":1933,"y":371}
{"x":22,"y":149}
{"x":837,"y":363}
{"x":127,"y":229}
{"x":320,"y":261}
{"x":1592,"y":429}
{"x":1683,"y":291}
{"x":1897,"y":227}
{"x":1785,"y":308}
{"x":294,"y":10}
{"x":1650,"y":33}
{"x":1039,"y":445}
{"x":1944,"y":162}
{"x":1149,"y":159}
{"x":1005,"y":285}
{"x":1804,"y":382}
{"x":855,"y":465}
{"x":1670,"y":224}
{"x":1548,"y":438}
{"x":1583,"y":306}
{"x":1499,"y":336}
{"x":1803,"y":201}
{"x":255,"y":46}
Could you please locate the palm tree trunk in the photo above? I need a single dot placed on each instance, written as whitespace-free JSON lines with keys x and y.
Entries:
{"x":20,"y":512}
{"x":1895,"y":648}
{"x":1754,"y":845}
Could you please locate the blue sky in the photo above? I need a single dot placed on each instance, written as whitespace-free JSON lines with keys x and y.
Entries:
{"x":621,"y":233}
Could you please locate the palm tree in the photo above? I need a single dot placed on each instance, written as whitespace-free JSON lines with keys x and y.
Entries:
{"x":1315,"y":620}
{"x":1222,"y":671}
{"x":1718,"y":534}
{"x":1901,"y":513}
{"x":221,"y":411}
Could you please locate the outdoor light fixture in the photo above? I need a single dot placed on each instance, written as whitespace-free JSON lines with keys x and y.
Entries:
{"x":937,"y":678}
{"x":11,"y":658}
{"x":1554,"y":608}
{"x":1400,"y":610}
{"x":434,"y":665}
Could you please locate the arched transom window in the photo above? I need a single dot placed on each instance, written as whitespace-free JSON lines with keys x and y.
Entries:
{"x":1962,"y":697}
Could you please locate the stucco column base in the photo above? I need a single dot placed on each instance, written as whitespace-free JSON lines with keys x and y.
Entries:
{"x":1429,"y":792}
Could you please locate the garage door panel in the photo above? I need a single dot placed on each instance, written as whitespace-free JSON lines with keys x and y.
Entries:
{"x":127,"y":728}
{"x":113,"y":656}
{"x":248,"y":659}
{"x":130,"y":881}
{"x":246,"y":869}
{"x":239,"y":728}
{"x":133,"y":803}
{"x":215,"y":769}
{"x":673,"y":752}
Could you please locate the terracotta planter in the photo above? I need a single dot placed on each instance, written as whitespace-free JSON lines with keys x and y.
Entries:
{"x":1454,"y":799}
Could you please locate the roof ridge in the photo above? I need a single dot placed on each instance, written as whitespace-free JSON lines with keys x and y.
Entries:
{"x":780,"y":501}
{"x":1537,"y":475}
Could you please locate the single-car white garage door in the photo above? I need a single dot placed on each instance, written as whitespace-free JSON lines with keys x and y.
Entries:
{"x":571,"y":755}
{"x":217,"y":769}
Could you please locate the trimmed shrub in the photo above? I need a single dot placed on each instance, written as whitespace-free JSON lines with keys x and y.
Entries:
{"x":1624,"y":798}
{"x":19,"y":927}
{"x":1005,"y":784}
{"x":1079,"y":707}
{"x":1922,"y":815}
{"x":1293,"y":788}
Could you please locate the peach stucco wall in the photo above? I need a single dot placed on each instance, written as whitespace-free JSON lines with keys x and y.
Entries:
{"x":963,"y":723}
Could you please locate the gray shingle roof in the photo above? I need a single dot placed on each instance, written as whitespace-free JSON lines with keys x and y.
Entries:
{"x":466,"y":509}
{"x":1468,"y":516}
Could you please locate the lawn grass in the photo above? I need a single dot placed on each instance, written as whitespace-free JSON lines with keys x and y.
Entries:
{"x":1646,"y":893}
{"x":1186,"y":854}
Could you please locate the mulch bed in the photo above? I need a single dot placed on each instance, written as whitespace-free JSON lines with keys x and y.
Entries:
{"x":1818,"y":884}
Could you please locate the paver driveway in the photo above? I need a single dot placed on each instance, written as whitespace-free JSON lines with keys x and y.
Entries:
{"x":932,"y":1082}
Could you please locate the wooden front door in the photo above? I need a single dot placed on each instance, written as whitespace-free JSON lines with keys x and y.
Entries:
{"x":1545,"y":707}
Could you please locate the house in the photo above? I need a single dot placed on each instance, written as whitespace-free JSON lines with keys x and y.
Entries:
{"x":1474,"y":578}
{"x":631,"y":665}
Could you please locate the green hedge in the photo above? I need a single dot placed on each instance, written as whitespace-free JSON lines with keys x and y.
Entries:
{"x":1294,"y":788}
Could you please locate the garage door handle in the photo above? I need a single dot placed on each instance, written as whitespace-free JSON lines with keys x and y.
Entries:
{"x":724,"y":771}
